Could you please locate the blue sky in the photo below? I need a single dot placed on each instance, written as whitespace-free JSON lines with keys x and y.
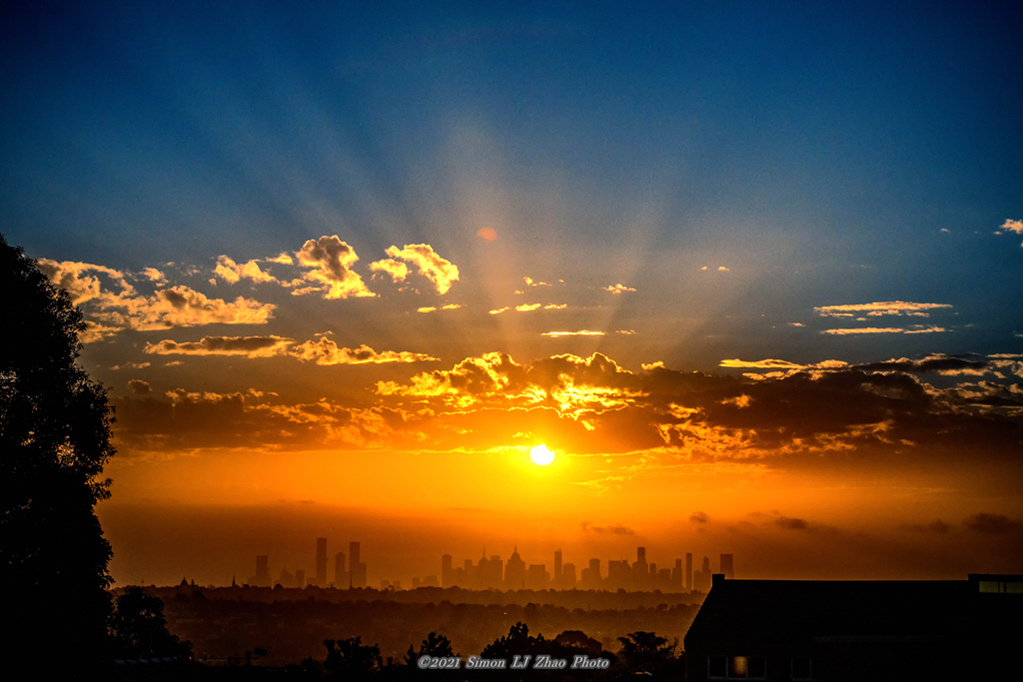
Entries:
{"x":704,"y":185}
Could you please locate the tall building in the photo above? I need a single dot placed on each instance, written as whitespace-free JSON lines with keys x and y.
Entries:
{"x":515,"y":572}
{"x":262,"y":571}
{"x":321,"y":562}
{"x":557,"y":568}
{"x":689,"y":571}
{"x":357,"y":567}
{"x":341,"y":576}
{"x":447,"y":573}
{"x":726,"y":566}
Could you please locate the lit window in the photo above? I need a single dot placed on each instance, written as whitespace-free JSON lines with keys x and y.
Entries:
{"x":736,"y":667}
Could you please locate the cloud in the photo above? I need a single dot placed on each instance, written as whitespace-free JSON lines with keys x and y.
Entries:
{"x":581,"y":332}
{"x":530,"y":282}
{"x":232,"y":272}
{"x":441,"y":272}
{"x":937,"y":526}
{"x":183,"y":420}
{"x":433,"y":309}
{"x":324,"y":351}
{"x":1012,"y":226}
{"x":397,"y":270}
{"x":154,"y":275}
{"x":331,"y":260}
{"x":994,"y":524}
{"x":769,"y":363}
{"x":112,"y":304}
{"x":880,"y":308}
{"x":883,"y":330}
{"x":139,"y":387}
{"x":487,"y":234}
{"x":247,"y":346}
{"x":616,"y":289}
{"x":699,"y":517}
{"x":791,"y":523}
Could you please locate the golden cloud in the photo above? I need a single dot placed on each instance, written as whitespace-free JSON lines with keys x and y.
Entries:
{"x":331,"y":260}
{"x":247,"y":346}
{"x":232,"y":272}
{"x":114,"y":304}
{"x":436,"y":269}
{"x":324,"y":351}
{"x":880,"y":308}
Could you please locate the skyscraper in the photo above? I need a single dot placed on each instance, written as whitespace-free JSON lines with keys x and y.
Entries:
{"x":357,"y":567}
{"x":689,"y":571}
{"x":321,"y":562}
{"x":726,"y":566}
{"x":262,"y":571}
{"x":557,"y":568}
{"x":341,"y":578}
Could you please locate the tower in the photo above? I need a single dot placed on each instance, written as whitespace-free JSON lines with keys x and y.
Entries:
{"x":321,"y":562}
{"x":726,"y":566}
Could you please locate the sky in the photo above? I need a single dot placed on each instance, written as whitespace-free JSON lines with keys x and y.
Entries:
{"x":753,"y":271}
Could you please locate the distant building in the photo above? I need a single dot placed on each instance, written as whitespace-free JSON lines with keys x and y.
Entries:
{"x":515,"y":572}
{"x":356,"y":566}
{"x":262,"y":578}
{"x":321,"y":562}
{"x":727,"y":568}
{"x":689,"y":572}
{"x":842,"y":631}
{"x":341,"y":577}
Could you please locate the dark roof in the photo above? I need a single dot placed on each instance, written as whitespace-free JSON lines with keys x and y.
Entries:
{"x":795,"y":610}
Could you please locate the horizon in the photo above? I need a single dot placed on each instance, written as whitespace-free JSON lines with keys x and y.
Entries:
{"x":719,"y":278}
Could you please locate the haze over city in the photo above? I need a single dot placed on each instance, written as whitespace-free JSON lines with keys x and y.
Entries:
{"x":709,"y":278}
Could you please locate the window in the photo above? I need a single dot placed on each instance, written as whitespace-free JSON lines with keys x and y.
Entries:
{"x":736,"y":667}
{"x":802,"y":668}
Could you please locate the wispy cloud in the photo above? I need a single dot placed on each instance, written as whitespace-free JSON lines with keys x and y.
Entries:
{"x":581,"y":332}
{"x":919,"y":329}
{"x":880,"y":308}
{"x":616,"y":289}
{"x":247,"y":346}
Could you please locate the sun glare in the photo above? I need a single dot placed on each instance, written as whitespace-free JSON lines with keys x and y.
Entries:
{"x":541,"y":455}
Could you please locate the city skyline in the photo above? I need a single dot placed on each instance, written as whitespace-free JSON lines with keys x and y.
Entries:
{"x":493,"y":573}
{"x":590,"y":276}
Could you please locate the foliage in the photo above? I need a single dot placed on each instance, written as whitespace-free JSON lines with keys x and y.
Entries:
{"x":139,"y":629}
{"x":350,"y":657}
{"x":435,"y":646}
{"x":644,"y":651}
{"x":54,"y":440}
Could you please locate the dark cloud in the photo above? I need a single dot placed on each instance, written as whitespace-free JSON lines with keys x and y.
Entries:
{"x":139,"y":387}
{"x":992,"y":523}
{"x":789,"y":523}
{"x":699,"y":517}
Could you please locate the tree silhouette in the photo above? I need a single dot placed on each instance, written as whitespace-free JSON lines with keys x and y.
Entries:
{"x":350,"y":658}
{"x":139,"y":629}
{"x":54,"y":441}
{"x":436,"y":646}
{"x":645,"y":651}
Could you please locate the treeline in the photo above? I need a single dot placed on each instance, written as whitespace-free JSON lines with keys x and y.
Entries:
{"x":289,"y":631}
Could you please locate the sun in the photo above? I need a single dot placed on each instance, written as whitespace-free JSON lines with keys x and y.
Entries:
{"x":541,"y":455}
